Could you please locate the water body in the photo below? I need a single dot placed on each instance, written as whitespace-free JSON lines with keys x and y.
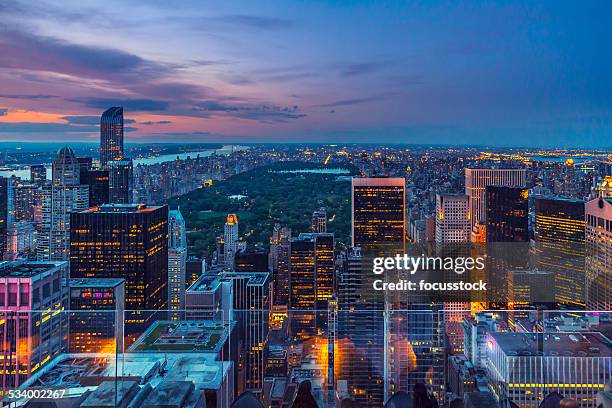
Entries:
{"x":561,"y":159}
{"x":24,"y":172}
{"x":317,"y":171}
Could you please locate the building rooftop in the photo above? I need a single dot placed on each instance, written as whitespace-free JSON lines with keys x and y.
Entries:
{"x":583,"y":344}
{"x":95,"y":282}
{"x":255,"y":278}
{"x":121,"y":208}
{"x":174,"y":336}
{"x":22,"y":269}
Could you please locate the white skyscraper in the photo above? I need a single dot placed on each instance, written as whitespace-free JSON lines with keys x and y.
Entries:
{"x":177,"y":263}
{"x":452,"y":218}
{"x":64,"y":196}
{"x":230,"y":240}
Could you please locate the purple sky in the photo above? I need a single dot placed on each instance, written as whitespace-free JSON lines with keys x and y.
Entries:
{"x":507,"y":73}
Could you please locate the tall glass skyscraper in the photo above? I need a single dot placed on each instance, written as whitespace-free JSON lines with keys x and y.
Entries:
{"x":111,"y":135}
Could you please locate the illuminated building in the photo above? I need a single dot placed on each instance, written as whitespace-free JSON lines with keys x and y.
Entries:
{"x":507,"y":214}
{"x":319,"y":220}
{"x":311,"y":280}
{"x":120,"y":181}
{"x":378,"y":213}
{"x":126,"y":241}
{"x":111,"y":135}
{"x":98,"y":182}
{"x":38,"y":174}
{"x":63,"y":196}
{"x":20,"y":241}
{"x":475,"y":332}
{"x":230,"y":240}
{"x":476,"y":181}
{"x":452,"y":218}
{"x":194,"y":268}
{"x":559,"y":238}
{"x":251,"y":261}
{"x":598,"y":236}
{"x":280,"y":246}
{"x":97,"y":307}
{"x":525,"y":367}
{"x":4,"y":214}
{"x":25,"y":198}
{"x":177,"y":263}
{"x":604,"y":189}
{"x":33,"y":324}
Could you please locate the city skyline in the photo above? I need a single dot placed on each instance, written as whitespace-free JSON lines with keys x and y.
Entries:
{"x":446,"y":73}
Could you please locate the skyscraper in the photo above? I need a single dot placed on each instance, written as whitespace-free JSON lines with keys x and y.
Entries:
{"x":452,"y":218}
{"x":111,"y":135}
{"x":559,"y":245}
{"x":58,"y":200}
{"x":120,"y":183}
{"x":378,"y":213}
{"x":507,"y":214}
{"x":598,"y":235}
{"x":319,"y":220}
{"x":311,"y":280}
{"x":476,"y":180}
{"x":34,"y":328}
{"x":4,"y":213}
{"x":230,"y":240}
{"x":177,"y":263}
{"x":126,"y":241}
{"x":38,"y":174}
{"x":280,"y":246}
{"x":98,"y":183}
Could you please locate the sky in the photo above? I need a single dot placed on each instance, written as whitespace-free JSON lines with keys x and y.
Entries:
{"x":480,"y":73}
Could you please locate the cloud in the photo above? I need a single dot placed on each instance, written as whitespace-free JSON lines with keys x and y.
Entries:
{"x":267,"y":113}
{"x":82,"y":120}
{"x":3,"y":111}
{"x":349,"y":102}
{"x":134,"y":104}
{"x":29,"y":97}
{"x":159,"y":122}
{"x":34,"y":127}
{"x":256,"y":22}
{"x":363,"y":68}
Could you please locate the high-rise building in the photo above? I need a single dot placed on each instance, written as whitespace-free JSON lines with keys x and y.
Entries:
{"x":64,"y":196}
{"x":126,"y":241}
{"x":559,"y":245}
{"x":38,"y":174}
{"x":280,"y":246}
{"x":120,"y":181}
{"x":97,"y":307}
{"x":25,"y":197}
{"x":251,"y":261}
{"x":507,"y":214}
{"x":4,"y":214}
{"x":598,"y":236}
{"x":452,"y":218}
{"x":525,"y":367}
{"x":230,"y":240}
{"x":476,"y":181}
{"x":177,"y":263}
{"x":319,"y":220}
{"x":378,"y":213}
{"x":111,"y":135}
{"x":34,"y":326}
{"x":311,"y":282}
{"x":98,"y":183}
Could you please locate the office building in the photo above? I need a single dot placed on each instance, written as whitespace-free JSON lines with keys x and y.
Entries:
{"x":251,"y":261}
{"x":378,"y":213}
{"x":25,"y":197}
{"x":177,"y":263}
{"x":126,"y":241}
{"x":311,"y":282}
{"x":4,"y":214}
{"x":194,"y":268}
{"x":33,"y":326}
{"x":97,"y":307}
{"x":477,"y":180}
{"x":598,"y":236}
{"x":58,"y":200}
{"x":38,"y":174}
{"x":525,"y":367}
{"x":559,"y":245}
{"x":111,"y":135}
{"x":319,"y":220}
{"x":452,"y":218}
{"x":98,"y":183}
{"x":120,"y":181}
{"x":230,"y":240}
{"x":280,"y":247}
{"x":507,"y":214}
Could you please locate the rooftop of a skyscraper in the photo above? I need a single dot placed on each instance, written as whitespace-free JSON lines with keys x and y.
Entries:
{"x":121,"y":208}
{"x":585,"y":344}
{"x":27,"y":269}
